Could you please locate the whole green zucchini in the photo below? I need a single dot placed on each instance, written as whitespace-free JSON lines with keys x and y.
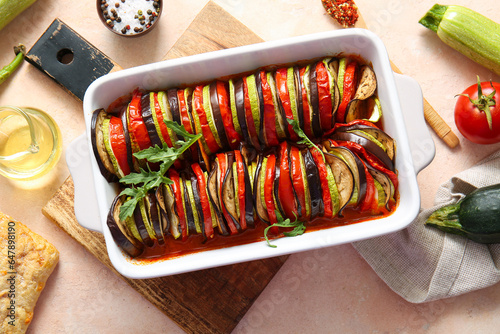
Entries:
{"x":476,"y":216}
{"x":9,"y":9}
{"x":468,"y":32}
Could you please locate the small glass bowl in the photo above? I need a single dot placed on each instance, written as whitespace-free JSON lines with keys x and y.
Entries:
{"x":118,"y":14}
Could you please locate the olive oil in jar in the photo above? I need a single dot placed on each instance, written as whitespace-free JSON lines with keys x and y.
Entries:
{"x":30,"y":143}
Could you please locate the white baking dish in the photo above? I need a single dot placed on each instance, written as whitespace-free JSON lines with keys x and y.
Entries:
{"x":402,"y":105}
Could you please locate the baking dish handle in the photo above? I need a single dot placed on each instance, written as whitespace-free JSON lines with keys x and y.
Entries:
{"x":411,"y":99}
{"x":86,"y":207}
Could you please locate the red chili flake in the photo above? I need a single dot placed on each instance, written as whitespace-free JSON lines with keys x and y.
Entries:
{"x":344,"y":11}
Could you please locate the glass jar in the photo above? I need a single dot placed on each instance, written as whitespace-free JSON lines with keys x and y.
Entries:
{"x":30,"y":142}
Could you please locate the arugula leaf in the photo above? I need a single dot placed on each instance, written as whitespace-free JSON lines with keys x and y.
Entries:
{"x":147,"y":180}
{"x":304,"y":138}
{"x":299,"y":227}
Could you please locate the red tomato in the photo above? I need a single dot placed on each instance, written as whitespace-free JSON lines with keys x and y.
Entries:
{"x":472,"y":111}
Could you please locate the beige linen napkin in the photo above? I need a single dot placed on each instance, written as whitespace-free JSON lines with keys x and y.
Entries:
{"x":422,"y":263}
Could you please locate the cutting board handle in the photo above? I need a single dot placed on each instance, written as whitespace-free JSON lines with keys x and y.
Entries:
{"x":78,"y":160}
{"x":411,"y":99}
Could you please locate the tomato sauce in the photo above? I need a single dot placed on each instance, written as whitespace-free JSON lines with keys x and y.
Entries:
{"x":176,"y":248}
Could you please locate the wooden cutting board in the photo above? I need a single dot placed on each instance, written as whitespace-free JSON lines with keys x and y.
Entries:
{"x":228,"y":292}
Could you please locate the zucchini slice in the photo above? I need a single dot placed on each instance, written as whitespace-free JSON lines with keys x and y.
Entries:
{"x":258,"y":190}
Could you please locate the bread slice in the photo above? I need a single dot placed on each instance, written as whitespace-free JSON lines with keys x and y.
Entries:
{"x":26,"y":262}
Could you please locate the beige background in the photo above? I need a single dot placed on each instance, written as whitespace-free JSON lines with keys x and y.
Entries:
{"x":332,"y":290}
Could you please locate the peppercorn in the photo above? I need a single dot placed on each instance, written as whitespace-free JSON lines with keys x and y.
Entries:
{"x":118,"y":19}
{"x":136,"y":29}
{"x":149,"y":12}
{"x":117,"y":4}
{"x":139,"y":12}
{"x":124,"y":31}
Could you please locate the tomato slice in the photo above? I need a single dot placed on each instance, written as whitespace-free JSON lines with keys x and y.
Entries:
{"x":269,"y":120}
{"x":185,"y":114}
{"x":370,"y":202}
{"x":137,"y":128}
{"x":176,"y":190}
{"x":324,"y":97}
{"x":221,"y":157}
{"x":161,"y":123}
{"x":208,"y":136}
{"x":305,"y":105}
{"x":183,"y":110}
{"x":118,"y":145}
{"x":252,"y":130}
{"x":205,"y":201}
{"x":163,"y":127}
{"x":282,"y":90}
{"x":323,"y":176}
{"x":268,"y":188}
{"x":285,"y":188}
{"x":233,"y":136}
{"x":298,"y":181}
{"x":350,"y":82}
{"x":241,"y":195}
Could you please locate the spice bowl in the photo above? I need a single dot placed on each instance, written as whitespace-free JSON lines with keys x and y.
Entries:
{"x":129,"y":18}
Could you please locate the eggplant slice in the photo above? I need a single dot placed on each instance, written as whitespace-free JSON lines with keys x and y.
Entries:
{"x":229,"y":198}
{"x":162,"y":205}
{"x":155,"y":217}
{"x":344,"y":179}
{"x":314,"y":183}
{"x":217,"y":116}
{"x":121,"y":234}
{"x":213,"y":190}
{"x":366,"y":88}
{"x":374,"y":134}
{"x":97,"y":138}
{"x":147,"y":117}
{"x":143,"y":225}
{"x":385,"y":182}
{"x":313,"y":93}
{"x":356,"y":167}
{"x":131,"y":160}
{"x":368,"y":144}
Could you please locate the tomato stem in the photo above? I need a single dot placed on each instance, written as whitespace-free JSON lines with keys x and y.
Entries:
{"x":484,"y":102}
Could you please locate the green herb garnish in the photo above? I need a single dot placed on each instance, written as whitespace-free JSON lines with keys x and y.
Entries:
{"x":299,"y":227}
{"x":304,"y":138}
{"x":146,"y":180}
